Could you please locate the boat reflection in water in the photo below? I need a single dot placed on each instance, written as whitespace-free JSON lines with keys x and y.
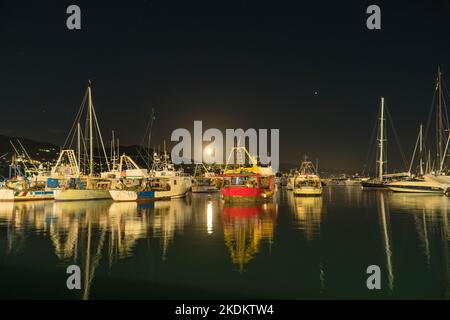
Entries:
{"x":429,"y":214}
{"x":385,"y":230}
{"x":165,"y":219}
{"x":308,"y":214}
{"x":176,"y":248}
{"x":246,"y":227}
{"x":83,"y":232}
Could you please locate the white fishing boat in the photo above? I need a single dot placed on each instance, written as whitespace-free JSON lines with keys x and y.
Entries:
{"x":307,"y":182}
{"x":165,"y":181}
{"x":22,"y":186}
{"x":132,"y":184}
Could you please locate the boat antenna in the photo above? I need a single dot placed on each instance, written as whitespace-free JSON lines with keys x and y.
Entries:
{"x":152,"y":119}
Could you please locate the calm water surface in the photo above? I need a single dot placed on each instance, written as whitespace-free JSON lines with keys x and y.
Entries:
{"x":199,"y":247}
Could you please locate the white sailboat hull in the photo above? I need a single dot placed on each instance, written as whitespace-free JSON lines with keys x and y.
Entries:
{"x":408,"y":189}
{"x":429,"y":185}
{"x":81,"y":194}
{"x":444,"y":181}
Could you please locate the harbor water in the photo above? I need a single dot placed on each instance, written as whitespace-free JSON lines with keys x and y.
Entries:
{"x":203,"y":248}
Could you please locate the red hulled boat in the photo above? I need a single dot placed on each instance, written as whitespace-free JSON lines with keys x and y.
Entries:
{"x":247,"y":183}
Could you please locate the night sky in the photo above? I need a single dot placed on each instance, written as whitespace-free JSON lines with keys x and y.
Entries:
{"x":311,"y":69}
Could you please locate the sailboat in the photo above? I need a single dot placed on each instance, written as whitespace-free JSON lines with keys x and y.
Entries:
{"x":420,"y":183}
{"x":378,"y":181}
{"x":81,"y":187}
{"x":307,"y":181}
{"x":382,"y":178}
{"x":441,"y":174}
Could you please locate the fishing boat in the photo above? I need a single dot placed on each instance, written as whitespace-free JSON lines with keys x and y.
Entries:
{"x":84,"y":187}
{"x":20,"y":190}
{"x":203,"y":180}
{"x":247,"y":183}
{"x":307,"y":182}
{"x":161,"y":182}
{"x":131,"y":184}
{"x":167,"y":182}
{"x":21,"y":186}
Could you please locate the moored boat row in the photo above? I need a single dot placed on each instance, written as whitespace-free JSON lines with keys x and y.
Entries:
{"x":430,"y":176}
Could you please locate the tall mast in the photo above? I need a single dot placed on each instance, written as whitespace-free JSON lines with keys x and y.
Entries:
{"x":79,"y":144}
{"x":420,"y":150}
{"x":118,"y":147}
{"x":113,"y":151}
{"x":91,"y":144}
{"x":150,"y":138}
{"x":165,"y":155}
{"x":381,"y":140}
{"x":439,"y":121}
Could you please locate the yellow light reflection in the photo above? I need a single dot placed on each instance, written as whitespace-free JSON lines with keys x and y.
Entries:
{"x":209,"y":217}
